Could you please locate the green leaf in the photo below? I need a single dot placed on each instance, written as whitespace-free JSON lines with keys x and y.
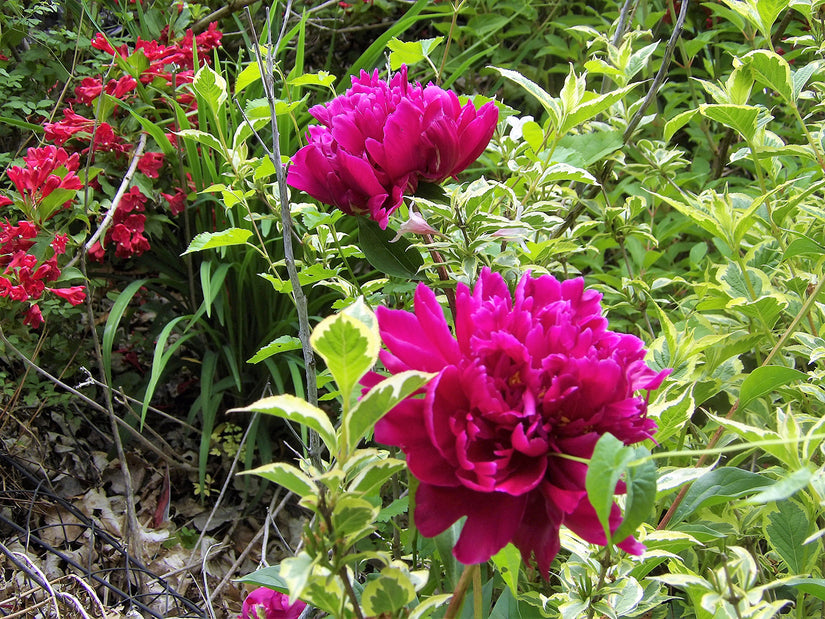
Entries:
{"x":295,"y":572}
{"x":352,"y":518}
{"x":811,"y":586}
{"x":278,"y":345}
{"x":160,"y":358}
{"x":508,"y":562}
{"x":269,"y":577}
{"x":803,"y":247}
{"x":564,"y":172}
{"x":290,"y":477}
{"x":224,"y":238}
{"x":428,"y":606}
{"x":610,"y":459}
{"x":410,"y":53}
{"x":786,"y":529}
{"x":764,"y":380}
{"x":399,"y":259}
{"x":300,"y":411}
{"x":113,"y":322}
{"x":349,"y":348}
{"x":391,"y":591}
{"x":202,"y":137}
{"x":584,"y":149}
{"x":641,"y":494}
{"x":719,"y":486}
{"x":591,"y":106}
{"x":210,"y":86}
{"x":250,"y":74}
{"x":547,"y":102}
{"x":373,"y":476}
{"x":783,"y":489}
{"x":772,"y":71}
{"x":740,"y":118}
{"x":322,"y":78}
{"x":378,"y":401}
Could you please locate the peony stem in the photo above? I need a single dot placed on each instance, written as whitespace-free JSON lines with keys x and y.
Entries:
{"x":460,"y":591}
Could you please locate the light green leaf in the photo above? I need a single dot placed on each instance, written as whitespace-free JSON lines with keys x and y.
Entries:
{"x":764,"y":380}
{"x":295,"y":572}
{"x":428,"y":606}
{"x":378,"y":401}
{"x":783,"y":489}
{"x":250,"y":74}
{"x":391,"y":591}
{"x":290,"y":477}
{"x":719,"y":486}
{"x":278,"y":345}
{"x":202,"y":137}
{"x":546,"y":101}
{"x":641,"y":494}
{"x":786,"y":530}
{"x":353,"y":518}
{"x":321,"y":78}
{"x":269,"y":577}
{"x":349,"y":348}
{"x":564,"y":172}
{"x":410,"y":53}
{"x":224,"y":238}
{"x":772,"y":71}
{"x":608,"y":463}
{"x":210,"y":86}
{"x":591,"y":106}
{"x":740,"y":118}
{"x":373,"y":476}
{"x":299,"y":411}
{"x":508,"y":562}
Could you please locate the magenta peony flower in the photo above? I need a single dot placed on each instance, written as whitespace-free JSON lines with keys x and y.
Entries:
{"x":526,"y":378}
{"x":377,"y":141}
{"x":265,"y":603}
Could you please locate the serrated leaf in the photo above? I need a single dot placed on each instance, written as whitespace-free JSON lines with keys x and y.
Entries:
{"x":764,"y":380}
{"x":224,"y":238}
{"x":609,"y":460}
{"x":349,"y":348}
{"x":290,"y":477}
{"x":719,"y":486}
{"x":300,"y":411}
{"x":321,"y":78}
{"x":772,"y":71}
{"x":211,"y":86}
{"x":740,"y":118}
{"x":391,"y":591}
{"x":378,"y":401}
{"x":786,"y":530}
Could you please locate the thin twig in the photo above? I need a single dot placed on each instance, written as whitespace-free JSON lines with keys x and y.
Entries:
{"x":124,"y":186}
{"x":268,"y":80}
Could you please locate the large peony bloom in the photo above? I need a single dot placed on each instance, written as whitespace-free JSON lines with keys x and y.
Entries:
{"x":265,"y":603}
{"x":526,"y":378}
{"x":377,"y":141}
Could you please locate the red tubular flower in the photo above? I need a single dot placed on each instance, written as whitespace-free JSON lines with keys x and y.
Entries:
{"x":74,"y":294}
{"x":150,"y":164}
{"x":380,"y":139}
{"x":38,"y":179}
{"x":526,"y":377}
{"x":265,"y":603}
{"x":34,"y":317}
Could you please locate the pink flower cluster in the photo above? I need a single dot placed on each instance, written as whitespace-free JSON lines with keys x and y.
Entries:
{"x":380,"y":139}
{"x":527,"y":379}
{"x":265,"y":603}
{"x":46,"y":169}
{"x":23,"y":278}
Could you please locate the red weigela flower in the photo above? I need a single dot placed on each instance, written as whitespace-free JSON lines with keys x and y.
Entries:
{"x":265,"y":603}
{"x":74,"y":295}
{"x":379,"y":140}
{"x":150,"y":164}
{"x":38,"y":179}
{"x":527,"y":377}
